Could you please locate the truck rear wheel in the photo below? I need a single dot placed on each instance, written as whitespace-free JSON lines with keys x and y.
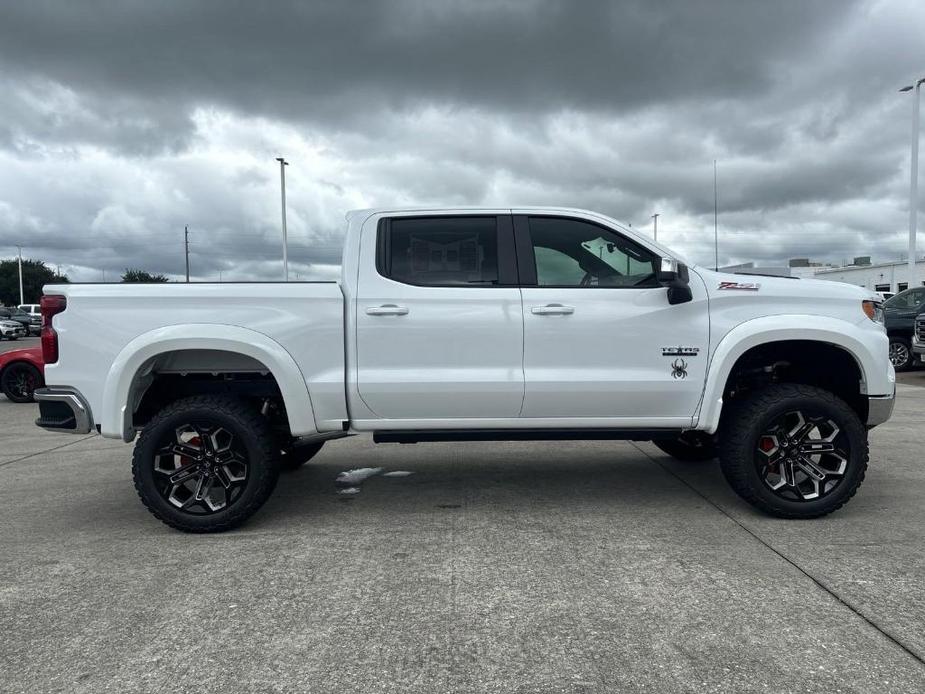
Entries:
{"x":205,"y":464}
{"x":794,"y":451}
{"x":691,"y":446}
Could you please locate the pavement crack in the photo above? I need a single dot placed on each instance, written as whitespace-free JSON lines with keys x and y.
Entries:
{"x":886,"y":633}
{"x":49,"y":450}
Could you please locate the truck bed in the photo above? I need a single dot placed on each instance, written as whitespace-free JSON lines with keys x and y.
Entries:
{"x":306,"y":319}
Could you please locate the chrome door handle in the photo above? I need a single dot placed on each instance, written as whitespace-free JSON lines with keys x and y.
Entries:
{"x":387,"y":310}
{"x":552,"y":310}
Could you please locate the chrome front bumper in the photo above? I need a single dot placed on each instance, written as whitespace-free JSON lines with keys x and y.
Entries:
{"x":880,"y":408}
{"x":63,"y":409}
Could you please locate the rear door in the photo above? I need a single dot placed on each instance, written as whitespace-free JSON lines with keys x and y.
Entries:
{"x":600,"y":338}
{"x":439,"y":329}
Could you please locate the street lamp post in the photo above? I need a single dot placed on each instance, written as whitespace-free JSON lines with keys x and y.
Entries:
{"x":913,"y":176}
{"x":21,"y":299}
{"x":282,"y":185}
{"x":655,"y":228}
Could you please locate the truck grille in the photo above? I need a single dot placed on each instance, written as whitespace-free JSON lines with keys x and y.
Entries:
{"x":920,"y":328}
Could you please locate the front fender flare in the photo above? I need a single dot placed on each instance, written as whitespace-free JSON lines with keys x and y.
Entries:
{"x":116,"y":420}
{"x":759,"y":331}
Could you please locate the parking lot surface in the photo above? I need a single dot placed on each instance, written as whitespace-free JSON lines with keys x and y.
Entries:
{"x":518,"y":567}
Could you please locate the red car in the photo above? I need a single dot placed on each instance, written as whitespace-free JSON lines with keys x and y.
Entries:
{"x":21,"y":372}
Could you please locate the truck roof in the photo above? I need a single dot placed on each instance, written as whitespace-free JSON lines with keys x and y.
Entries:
{"x":467,"y":208}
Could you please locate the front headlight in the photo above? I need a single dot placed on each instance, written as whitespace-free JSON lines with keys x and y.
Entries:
{"x":873,"y":310}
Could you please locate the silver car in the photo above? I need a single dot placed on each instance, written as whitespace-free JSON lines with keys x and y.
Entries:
{"x":12,"y":330}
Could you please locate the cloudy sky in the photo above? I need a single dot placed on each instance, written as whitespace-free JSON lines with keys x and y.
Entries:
{"x":122,"y":121}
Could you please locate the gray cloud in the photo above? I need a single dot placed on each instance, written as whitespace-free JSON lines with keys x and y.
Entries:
{"x":123,"y":122}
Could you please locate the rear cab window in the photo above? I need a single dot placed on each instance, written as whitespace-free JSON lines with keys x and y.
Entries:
{"x":458,"y":251}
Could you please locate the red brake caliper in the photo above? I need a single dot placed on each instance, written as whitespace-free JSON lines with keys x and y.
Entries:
{"x":766,"y":445}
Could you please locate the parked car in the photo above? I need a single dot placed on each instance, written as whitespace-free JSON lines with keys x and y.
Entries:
{"x":900,"y":313}
{"x":918,"y":339}
{"x":34,"y":312}
{"x":12,"y":330}
{"x":14,"y":314}
{"x":474,"y":325}
{"x":21,"y":372}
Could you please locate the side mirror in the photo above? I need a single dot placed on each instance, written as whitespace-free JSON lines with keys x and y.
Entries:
{"x":674,"y":275}
{"x":667,"y":271}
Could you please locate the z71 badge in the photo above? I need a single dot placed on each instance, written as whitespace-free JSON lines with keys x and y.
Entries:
{"x":747,"y":286}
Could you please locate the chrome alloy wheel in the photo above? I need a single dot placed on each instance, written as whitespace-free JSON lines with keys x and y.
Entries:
{"x":201,"y":469}
{"x":899,"y":354}
{"x":802,"y":457}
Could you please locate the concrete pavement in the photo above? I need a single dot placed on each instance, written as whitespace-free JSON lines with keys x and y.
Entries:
{"x":517,"y":567}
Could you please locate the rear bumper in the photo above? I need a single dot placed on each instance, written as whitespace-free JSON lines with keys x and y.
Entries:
{"x":880,"y":408}
{"x":63,"y":409}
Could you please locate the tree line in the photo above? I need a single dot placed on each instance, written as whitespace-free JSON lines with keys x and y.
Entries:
{"x":36,"y":274}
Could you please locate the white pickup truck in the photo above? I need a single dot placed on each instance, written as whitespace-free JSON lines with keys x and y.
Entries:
{"x":473,"y":324}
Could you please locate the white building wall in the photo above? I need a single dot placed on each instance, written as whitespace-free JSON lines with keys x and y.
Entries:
{"x":885,"y":277}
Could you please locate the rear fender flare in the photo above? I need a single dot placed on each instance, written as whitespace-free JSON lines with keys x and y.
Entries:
{"x":116,"y":421}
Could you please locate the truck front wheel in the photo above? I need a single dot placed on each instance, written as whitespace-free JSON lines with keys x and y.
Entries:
{"x":205,"y":463}
{"x":794,"y":451}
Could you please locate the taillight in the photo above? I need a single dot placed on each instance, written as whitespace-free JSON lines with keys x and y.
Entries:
{"x":52,"y":305}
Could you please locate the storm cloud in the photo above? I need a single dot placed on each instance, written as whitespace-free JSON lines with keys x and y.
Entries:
{"x":123,"y":122}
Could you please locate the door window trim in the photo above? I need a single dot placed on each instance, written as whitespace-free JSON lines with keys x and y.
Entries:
{"x":507,"y":262}
{"x":526,"y":256}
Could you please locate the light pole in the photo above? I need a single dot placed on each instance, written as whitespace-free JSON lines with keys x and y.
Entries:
{"x":186,"y":250}
{"x":913,"y":176}
{"x":21,"y":299}
{"x":282,"y":186}
{"x":715,"y":223}
{"x":655,"y":228}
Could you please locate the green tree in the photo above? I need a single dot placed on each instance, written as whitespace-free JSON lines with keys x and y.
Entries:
{"x":35,"y":275}
{"x":135,"y":275}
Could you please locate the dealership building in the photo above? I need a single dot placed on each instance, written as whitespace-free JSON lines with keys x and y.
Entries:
{"x":892,"y":277}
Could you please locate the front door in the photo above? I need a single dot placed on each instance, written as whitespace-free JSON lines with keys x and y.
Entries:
{"x":600,"y":338}
{"x":439,"y":327}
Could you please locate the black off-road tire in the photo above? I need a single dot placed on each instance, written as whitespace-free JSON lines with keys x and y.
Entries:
{"x":746,"y":424}
{"x":12,"y":385}
{"x":237,"y":417}
{"x":901,"y":354}
{"x":295,"y":456}
{"x":691,"y":447}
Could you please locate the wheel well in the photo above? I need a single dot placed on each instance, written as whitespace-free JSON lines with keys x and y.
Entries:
{"x":819,"y":364}
{"x":170,"y":376}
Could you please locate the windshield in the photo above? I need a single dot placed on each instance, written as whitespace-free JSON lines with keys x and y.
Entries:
{"x":910,"y":298}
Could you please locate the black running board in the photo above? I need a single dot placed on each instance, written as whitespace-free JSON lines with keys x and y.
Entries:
{"x":429,"y":435}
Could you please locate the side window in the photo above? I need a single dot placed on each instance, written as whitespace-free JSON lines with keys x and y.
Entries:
{"x":439,"y":251}
{"x":574,"y":253}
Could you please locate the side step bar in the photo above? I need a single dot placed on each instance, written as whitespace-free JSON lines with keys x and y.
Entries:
{"x":429,"y":435}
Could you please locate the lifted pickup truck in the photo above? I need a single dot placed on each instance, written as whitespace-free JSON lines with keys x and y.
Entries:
{"x":473,"y":324}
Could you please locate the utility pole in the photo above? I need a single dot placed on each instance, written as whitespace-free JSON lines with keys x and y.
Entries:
{"x":186,"y":247}
{"x":914,"y":177}
{"x":282,"y":186}
{"x":21,"y":299}
{"x":715,"y":225}
{"x":655,"y":229}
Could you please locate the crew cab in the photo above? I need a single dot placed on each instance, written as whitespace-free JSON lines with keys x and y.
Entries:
{"x":473,"y":324}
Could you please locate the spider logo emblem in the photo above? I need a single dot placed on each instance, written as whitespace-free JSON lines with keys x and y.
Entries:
{"x":679,"y":368}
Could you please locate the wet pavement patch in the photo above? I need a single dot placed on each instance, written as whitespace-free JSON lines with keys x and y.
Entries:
{"x":349,"y":483}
